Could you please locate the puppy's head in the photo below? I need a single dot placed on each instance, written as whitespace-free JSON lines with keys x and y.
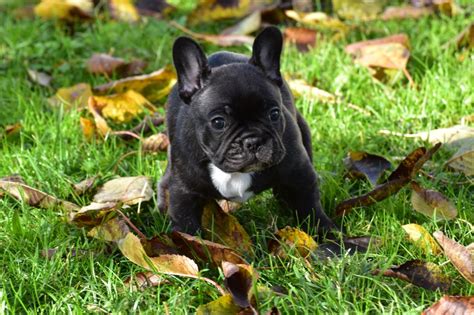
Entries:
{"x":237,"y":108}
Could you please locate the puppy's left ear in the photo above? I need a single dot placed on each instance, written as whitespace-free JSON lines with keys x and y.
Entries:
{"x":191,"y":66}
{"x":266,"y":53}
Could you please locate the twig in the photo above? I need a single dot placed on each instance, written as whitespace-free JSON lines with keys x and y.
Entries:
{"x":127,"y":134}
{"x":132,"y":226}
{"x":359,"y":109}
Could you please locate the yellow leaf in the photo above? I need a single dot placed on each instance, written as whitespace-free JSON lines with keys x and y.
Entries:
{"x":422,"y":238}
{"x":123,"y":10}
{"x":101,"y":125}
{"x":111,"y":231}
{"x":128,"y":190}
{"x":88,"y":128}
{"x":72,"y":97}
{"x":122,"y":107}
{"x":318,"y":20}
{"x":67,"y":10}
{"x":153,"y":86}
{"x":292,"y":238}
{"x":224,"y":305}
{"x":300,"y":87}
{"x":212,"y":10}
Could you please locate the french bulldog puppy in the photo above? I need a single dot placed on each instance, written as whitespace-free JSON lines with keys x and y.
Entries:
{"x":234,"y":131}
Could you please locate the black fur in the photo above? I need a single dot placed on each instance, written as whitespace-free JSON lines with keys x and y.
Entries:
{"x":244,"y":93}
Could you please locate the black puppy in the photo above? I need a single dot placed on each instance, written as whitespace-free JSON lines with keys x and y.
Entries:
{"x":234,"y":132}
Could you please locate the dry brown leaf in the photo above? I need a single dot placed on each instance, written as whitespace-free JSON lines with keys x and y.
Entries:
{"x":131,"y":247}
{"x":290,"y":238}
{"x":66,"y":10}
{"x":423,"y":274}
{"x":126,"y":190}
{"x":318,"y":20}
{"x":432,"y":203}
{"x":204,"y":250}
{"x":224,"y":228}
{"x":94,"y":214}
{"x":123,"y":10}
{"x":156,"y":143}
{"x":85,"y":185}
{"x":396,"y":181}
{"x":34,"y":197}
{"x":248,"y":25}
{"x":405,"y":12}
{"x":303,"y":38}
{"x":143,"y":280}
{"x":123,"y":107}
{"x":365,"y":165}
{"x":112,"y":230}
{"x":463,"y":159}
{"x":41,"y":78}
{"x":101,"y":125}
{"x":422,"y":239}
{"x":452,"y":305}
{"x":238,"y":281}
{"x":75,"y":96}
{"x":154,"y":86}
{"x":457,"y":135}
{"x":229,"y":206}
{"x":460,"y":256}
{"x":106,"y":64}
{"x":11,"y":130}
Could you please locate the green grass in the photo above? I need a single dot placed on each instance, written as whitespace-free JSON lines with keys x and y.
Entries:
{"x":50,"y":152}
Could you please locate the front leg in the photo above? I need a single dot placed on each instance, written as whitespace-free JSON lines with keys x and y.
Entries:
{"x":185,"y":210}
{"x":300,"y":192}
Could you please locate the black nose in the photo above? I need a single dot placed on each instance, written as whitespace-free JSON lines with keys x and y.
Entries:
{"x":251,"y":143}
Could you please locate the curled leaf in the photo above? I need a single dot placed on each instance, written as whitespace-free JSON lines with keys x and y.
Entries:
{"x":462,"y":305}
{"x":432,"y":203}
{"x":41,"y":78}
{"x":123,"y":10}
{"x":303,"y":38}
{"x":238,"y":280}
{"x":112,"y":230}
{"x":127,"y":190}
{"x":460,"y":256}
{"x":94,"y":214}
{"x":292,"y":238}
{"x":422,"y":238}
{"x":248,"y":25}
{"x":363,"y":164}
{"x":156,"y":143}
{"x":66,"y":10}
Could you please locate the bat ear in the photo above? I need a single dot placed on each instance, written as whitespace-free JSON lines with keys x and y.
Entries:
{"x":191,"y":66}
{"x":267,"y":51}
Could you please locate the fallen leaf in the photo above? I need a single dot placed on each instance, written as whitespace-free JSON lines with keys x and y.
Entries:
{"x":365,"y":165}
{"x":423,"y":274}
{"x":204,"y":250}
{"x":94,"y":214}
{"x":85,"y":185}
{"x":123,"y":10}
{"x":224,"y":228}
{"x":422,"y":239}
{"x":466,"y":37}
{"x":355,"y":48}
{"x":126,"y":190}
{"x":447,"y":305}
{"x":11,"y":130}
{"x":300,"y":87}
{"x":178,"y":265}
{"x":106,"y":64}
{"x":229,"y":206}
{"x":144,"y":280}
{"x":100,"y":124}
{"x":34,"y":197}
{"x":154,"y":86}
{"x":219,"y":40}
{"x":88,"y":128}
{"x":66,"y":10}
{"x":160,"y":245}
{"x":75,"y":96}
{"x":213,"y":10}
{"x":396,"y":181}
{"x":238,"y":281}
{"x":303,"y":38}
{"x":112,"y":230}
{"x":453,"y":136}
{"x":224,"y":305}
{"x":405,"y":12}
{"x":463,"y":159}
{"x":123,"y":107}
{"x":432,"y":203}
{"x":290,"y":238}
{"x":41,"y":78}
{"x":446,"y":7}
{"x":248,"y":25}
{"x":460,"y":256}
{"x":319,"y":20}
{"x":357,"y":10}
{"x":51,"y":252}
{"x":156,"y":143}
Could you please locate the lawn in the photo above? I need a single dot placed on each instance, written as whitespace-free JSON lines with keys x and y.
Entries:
{"x":50,"y":153}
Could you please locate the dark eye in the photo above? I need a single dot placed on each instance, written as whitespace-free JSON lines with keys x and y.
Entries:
{"x":218,"y":123}
{"x":274,"y":114}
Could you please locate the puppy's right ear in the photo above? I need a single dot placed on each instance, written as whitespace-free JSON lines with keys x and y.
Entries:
{"x":191,"y":66}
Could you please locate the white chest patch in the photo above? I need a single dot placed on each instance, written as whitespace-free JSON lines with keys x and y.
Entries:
{"x":233,"y":186}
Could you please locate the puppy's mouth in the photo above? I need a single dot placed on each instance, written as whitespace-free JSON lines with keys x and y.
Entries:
{"x":252,"y":155}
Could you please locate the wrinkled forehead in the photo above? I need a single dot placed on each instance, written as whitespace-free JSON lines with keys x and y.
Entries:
{"x":241,"y":86}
